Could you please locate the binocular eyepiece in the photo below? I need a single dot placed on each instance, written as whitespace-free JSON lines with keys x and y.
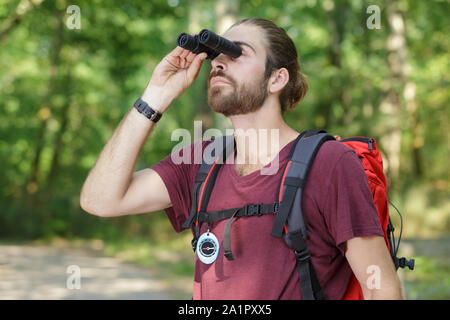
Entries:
{"x":209,"y":42}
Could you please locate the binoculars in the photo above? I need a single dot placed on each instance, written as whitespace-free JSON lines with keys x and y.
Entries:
{"x":209,"y":42}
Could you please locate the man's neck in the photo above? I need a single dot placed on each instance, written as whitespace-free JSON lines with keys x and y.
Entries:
{"x":260,"y":135}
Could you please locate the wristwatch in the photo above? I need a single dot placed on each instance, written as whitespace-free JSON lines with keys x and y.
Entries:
{"x":147,"y":111}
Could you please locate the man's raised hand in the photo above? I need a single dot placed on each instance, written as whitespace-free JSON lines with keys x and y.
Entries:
{"x":172,"y":76}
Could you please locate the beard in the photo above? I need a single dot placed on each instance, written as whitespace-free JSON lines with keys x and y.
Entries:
{"x":243,"y":98}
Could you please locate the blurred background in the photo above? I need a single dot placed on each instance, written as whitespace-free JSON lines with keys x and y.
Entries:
{"x":67,"y":78}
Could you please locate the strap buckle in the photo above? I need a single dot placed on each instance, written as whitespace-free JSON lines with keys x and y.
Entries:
{"x":275,"y":207}
{"x":253,"y":209}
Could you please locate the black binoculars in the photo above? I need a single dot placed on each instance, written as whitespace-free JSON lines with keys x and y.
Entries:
{"x":209,"y":42}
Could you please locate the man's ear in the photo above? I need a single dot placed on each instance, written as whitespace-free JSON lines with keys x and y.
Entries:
{"x":278,"y":80}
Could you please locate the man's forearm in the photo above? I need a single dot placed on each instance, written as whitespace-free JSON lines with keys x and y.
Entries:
{"x":111,"y":175}
{"x":109,"y":180}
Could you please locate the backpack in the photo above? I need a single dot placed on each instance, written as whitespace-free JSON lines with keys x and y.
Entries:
{"x":289,"y":222}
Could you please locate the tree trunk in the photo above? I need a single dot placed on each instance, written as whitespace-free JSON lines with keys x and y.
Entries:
{"x":396,"y":87}
{"x":417,"y":139}
{"x":367,"y":107}
{"x":58,"y":146}
{"x":46,"y":112}
{"x":336,"y":13}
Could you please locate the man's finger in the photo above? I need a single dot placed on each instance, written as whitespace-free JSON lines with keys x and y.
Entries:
{"x":190,"y":57}
{"x":184,"y":54}
{"x":194,"y":68}
{"x":177,"y":51}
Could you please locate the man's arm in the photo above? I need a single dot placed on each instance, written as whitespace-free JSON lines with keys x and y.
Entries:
{"x":373,"y":267}
{"x":111,"y":188}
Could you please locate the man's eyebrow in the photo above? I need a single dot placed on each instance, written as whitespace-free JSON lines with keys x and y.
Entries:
{"x":239,"y":43}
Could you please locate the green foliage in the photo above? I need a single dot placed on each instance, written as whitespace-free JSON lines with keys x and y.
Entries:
{"x":429,"y":280}
{"x":63,"y":92}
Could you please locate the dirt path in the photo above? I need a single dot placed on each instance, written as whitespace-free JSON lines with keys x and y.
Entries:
{"x":42,"y":272}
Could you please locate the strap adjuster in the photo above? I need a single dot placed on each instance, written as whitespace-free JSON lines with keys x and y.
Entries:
{"x":253,"y":209}
{"x":275,"y":207}
{"x":303,"y":255}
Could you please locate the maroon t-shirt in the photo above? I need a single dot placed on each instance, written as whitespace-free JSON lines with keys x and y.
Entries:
{"x":337,"y":206}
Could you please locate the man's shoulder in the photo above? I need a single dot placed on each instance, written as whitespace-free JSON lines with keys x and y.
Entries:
{"x":330,"y":154}
{"x":331,"y":151}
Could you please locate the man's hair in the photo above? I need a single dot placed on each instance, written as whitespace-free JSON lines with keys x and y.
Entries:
{"x":281,"y":53}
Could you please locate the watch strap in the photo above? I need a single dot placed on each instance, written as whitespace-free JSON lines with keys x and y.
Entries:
{"x":147,"y":111}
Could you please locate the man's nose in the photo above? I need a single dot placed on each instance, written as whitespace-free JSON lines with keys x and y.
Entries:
{"x":219,"y":63}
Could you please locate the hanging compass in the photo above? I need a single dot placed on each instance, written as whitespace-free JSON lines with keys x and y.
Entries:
{"x":207,"y":248}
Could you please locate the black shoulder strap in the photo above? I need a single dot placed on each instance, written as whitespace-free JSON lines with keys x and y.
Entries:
{"x":213,"y":157}
{"x":289,"y":218}
{"x":294,"y":177}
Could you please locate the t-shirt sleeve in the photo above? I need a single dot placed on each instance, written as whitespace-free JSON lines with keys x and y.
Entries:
{"x":178,"y":171}
{"x":349,"y":209}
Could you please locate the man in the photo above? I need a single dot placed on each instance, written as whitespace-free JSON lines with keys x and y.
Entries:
{"x":253,"y":90}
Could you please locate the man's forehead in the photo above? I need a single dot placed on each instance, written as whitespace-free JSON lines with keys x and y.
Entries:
{"x":246,"y":34}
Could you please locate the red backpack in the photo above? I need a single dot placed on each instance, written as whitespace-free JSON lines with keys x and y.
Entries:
{"x":289,"y":222}
{"x":367,"y":151}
